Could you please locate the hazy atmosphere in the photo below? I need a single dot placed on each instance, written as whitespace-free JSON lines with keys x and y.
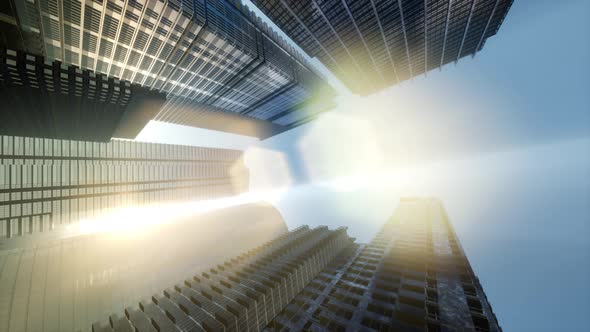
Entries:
{"x":288,"y":165}
{"x":503,"y":139}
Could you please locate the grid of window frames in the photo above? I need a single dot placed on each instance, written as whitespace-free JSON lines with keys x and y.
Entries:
{"x":52,"y":100}
{"x":206,"y":55}
{"x":68,"y":284}
{"x":413,"y":276}
{"x":242,"y":294}
{"x":45,"y":183}
{"x":372,"y":44}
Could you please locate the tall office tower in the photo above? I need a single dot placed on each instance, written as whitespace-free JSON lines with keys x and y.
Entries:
{"x":373,"y":44}
{"x":67,"y":284}
{"x":242,"y":294}
{"x":53,"y":100}
{"x":46,"y":183}
{"x":413,"y":276}
{"x":219,"y":65}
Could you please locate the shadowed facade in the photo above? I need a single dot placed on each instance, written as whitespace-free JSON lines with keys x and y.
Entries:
{"x":373,"y":44}
{"x":214,"y":61}
{"x":413,"y":276}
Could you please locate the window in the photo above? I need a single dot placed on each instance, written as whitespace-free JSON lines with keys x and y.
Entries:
{"x":432,"y":295}
{"x":375,"y":324}
{"x":380,"y":310}
{"x":474,"y":305}
{"x":383,"y":298}
{"x":413,"y":288}
{"x":469,"y":290}
{"x":480,"y":323}
{"x":411,"y":301}
{"x":432,"y":311}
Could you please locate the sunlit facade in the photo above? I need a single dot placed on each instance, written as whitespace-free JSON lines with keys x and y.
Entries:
{"x":47,"y":183}
{"x":68,"y":284}
{"x":241,"y":294}
{"x":413,"y":276}
{"x":370,"y":45}
{"x":220,"y":66}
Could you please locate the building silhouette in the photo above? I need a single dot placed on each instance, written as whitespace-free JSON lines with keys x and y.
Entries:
{"x":372,"y":44}
{"x":48,"y":183}
{"x":49,"y":99}
{"x":219,"y":65}
{"x":413,"y":276}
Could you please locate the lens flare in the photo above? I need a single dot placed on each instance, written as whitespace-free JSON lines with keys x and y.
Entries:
{"x":132,"y":220}
{"x":269,"y":171}
{"x":340,"y":145}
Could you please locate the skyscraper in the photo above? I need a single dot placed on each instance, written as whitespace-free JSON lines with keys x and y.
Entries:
{"x":413,"y":276}
{"x":49,"y":99}
{"x":242,"y":294}
{"x":219,"y":65}
{"x":66,"y":284}
{"x":46,"y":183}
{"x":373,"y":44}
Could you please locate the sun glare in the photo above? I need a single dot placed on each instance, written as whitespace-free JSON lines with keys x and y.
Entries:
{"x":133,"y":220}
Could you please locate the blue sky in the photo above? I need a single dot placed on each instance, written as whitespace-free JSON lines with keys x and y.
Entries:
{"x":503,"y":139}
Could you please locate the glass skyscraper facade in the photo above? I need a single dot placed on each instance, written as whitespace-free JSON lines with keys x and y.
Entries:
{"x":373,"y":44}
{"x":413,"y":276}
{"x":212,"y":58}
{"x":241,"y":294}
{"x":76,"y":73}
{"x":46,"y":183}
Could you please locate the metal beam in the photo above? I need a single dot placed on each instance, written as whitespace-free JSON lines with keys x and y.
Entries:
{"x":401,"y":12}
{"x":309,"y":32}
{"x":164,"y":111}
{"x":466,"y":29}
{"x":196,"y":78}
{"x":363,"y":40}
{"x":81,"y":45}
{"x":177,"y":44}
{"x":289,"y":110}
{"x":425,"y":37}
{"x":269,"y":97}
{"x":115,"y":44}
{"x":385,"y":40}
{"x":132,"y":41}
{"x":337,"y":35}
{"x":60,"y":12}
{"x":98,"y":42}
{"x":42,"y":28}
{"x":442,"y":55}
{"x":147,"y":43}
{"x":237,"y":78}
{"x":485,"y":30}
